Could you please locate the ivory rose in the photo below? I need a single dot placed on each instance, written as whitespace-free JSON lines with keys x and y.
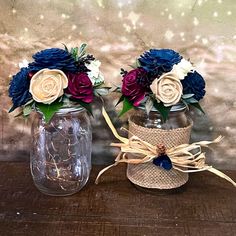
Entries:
{"x":47,"y":85}
{"x":167,"y":89}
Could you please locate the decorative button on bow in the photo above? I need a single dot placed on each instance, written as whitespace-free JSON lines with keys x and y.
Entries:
{"x":162,"y":159}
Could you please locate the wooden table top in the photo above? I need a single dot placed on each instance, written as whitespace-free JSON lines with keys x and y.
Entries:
{"x":115,"y":207}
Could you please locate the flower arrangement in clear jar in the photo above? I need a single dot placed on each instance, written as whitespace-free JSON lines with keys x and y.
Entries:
{"x":60,"y":85}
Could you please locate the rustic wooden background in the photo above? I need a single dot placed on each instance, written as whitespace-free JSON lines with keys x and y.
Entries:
{"x":117,"y":32}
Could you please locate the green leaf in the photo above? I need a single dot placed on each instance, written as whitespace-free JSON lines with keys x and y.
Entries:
{"x":185,"y":103}
{"x":116,"y":89}
{"x":27,"y":110}
{"x":65,"y":47}
{"x":83,"y":47}
{"x":101,"y":91}
{"x":74,"y":53}
{"x":102,"y":87}
{"x":149,"y":105}
{"x":127,"y":105}
{"x":29,"y":102}
{"x":191,"y":100}
{"x":186,"y":96}
{"x":49,"y":110}
{"x":197,"y":105}
{"x":87,"y":106}
{"x":98,"y":83}
{"x":164,"y":111}
{"x":135,"y":65}
{"x":19,"y":114}
{"x":28,"y":107}
{"x":120,"y":100}
{"x":12,"y":109}
{"x":82,"y":50}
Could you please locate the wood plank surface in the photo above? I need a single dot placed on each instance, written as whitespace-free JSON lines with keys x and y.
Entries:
{"x":207,"y":206}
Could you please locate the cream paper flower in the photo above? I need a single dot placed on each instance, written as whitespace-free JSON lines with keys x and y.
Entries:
{"x":167,"y":89}
{"x":182,"y":68}
{"x":47,"y":85}
{"x":94,"y":74}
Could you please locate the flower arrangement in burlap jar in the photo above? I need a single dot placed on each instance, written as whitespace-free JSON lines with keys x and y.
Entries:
{"x":161,"y":78}
{"x":160,"y":87}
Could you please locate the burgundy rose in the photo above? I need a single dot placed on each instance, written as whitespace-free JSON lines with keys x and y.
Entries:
{"x":131,"y":89}
{"x":80,"y":87}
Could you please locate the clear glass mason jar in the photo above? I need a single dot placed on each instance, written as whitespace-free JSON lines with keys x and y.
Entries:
{"x":60,"y":158}
{"x":151,"y":128}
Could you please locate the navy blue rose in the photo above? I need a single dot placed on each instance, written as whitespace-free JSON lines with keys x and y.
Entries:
{"x":19,"y":88}
{"x":53,"y":58}
{"x":159,"y":61}
{"x":193,"y":83}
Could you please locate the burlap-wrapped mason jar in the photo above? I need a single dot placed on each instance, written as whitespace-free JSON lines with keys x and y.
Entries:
{"x":151,"y":128}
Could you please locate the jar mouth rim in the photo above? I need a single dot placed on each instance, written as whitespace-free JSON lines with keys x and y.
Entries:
{"x":177,"y":107}
{"x":66,"y":109}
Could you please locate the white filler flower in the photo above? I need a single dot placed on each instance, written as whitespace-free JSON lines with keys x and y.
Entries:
{"x":182,"y":68}
{"x":94,"y":74}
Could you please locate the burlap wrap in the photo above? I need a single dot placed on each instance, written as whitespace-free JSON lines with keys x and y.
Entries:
{"x":150,"y":176}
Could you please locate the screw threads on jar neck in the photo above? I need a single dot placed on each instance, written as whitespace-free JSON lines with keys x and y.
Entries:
{"x":177,"y":118}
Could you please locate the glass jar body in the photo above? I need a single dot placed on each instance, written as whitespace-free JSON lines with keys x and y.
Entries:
{"x":60,"y":157}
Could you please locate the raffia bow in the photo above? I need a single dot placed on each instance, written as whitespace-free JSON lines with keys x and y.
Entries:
{"x":185,"y":157}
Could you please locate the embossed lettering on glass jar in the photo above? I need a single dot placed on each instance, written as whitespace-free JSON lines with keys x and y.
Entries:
{"x":61,"y":152}
{"x":151,"y":128}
